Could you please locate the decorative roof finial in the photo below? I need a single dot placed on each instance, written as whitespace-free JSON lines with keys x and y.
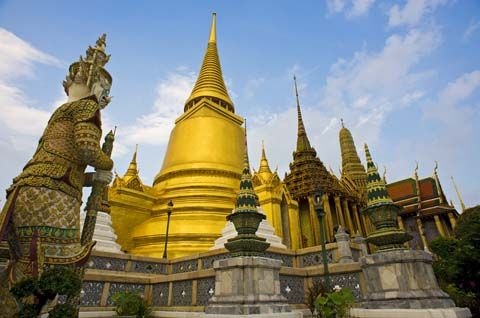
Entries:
{"x":302,"y":140}
{"x":385,"y":174}
{"x":458,"y":194}
{"x":213,"y":30}
{"x":341,"y":120}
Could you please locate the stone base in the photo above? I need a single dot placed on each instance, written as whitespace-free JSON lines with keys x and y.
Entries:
{"x":275,"y":315}
{"x":247,"y":286}
{"x":454,"y":312}
{"x":402,"y":279}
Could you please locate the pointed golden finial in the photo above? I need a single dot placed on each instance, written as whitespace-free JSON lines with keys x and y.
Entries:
{"x":415,"y":173}
{"x":210,"y":81}
{"x":385,"y":174}
{"x":264,"y":166}
{"x":132,"y":167}
{"x":458,"y":194}
{"x":213,"y":29}
{"x":302,"y":140}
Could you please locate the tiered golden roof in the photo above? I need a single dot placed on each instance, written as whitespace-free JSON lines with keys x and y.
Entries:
{"x":210,"y":81}
{"x":351,"y":165}
{"x":307,"y":172}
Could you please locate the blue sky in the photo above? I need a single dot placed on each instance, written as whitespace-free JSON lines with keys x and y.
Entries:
{"x":404,"y":75}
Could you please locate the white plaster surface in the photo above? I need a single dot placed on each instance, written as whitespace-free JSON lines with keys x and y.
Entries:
{"x":454,"y":312}
{"x":265,"y":230}
{"x":104,"y":233}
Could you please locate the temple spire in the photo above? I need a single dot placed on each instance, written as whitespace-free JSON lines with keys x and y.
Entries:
{"x":210,"y":81}
{"x":247,"y":200}
{"x":132,"y":167}
{"x":376,"y":190}
{"x":302,"y":140}
{"x":264,"y":167}
{"x":458,"y":194}
{"x":213,"y":29}
{"x":351,"y":164}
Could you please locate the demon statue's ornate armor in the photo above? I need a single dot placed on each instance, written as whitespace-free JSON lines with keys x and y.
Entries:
{"x":40,"y":219}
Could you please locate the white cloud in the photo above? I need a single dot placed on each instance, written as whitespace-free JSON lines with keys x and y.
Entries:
{"x":471,"y":29}
{"x":252,"y":86}
{"x":19,"y":56}
{"x":155,"y":128}
{"x":17,"y":59}
{"x":363,"y":90}
{"x":412,"y":12}
{"x":360,"y":7}
{"x":21,"y":124}
{"x":351,"y":8}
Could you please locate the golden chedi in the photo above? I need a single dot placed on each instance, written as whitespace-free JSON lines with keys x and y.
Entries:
{"x":201,"y":170}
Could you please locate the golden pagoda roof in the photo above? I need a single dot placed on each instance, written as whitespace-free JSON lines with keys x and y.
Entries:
{"x":351,"y":165}
{"x":132,"y":170}
{"x":210,"y":81}
{"x":307,"y":172}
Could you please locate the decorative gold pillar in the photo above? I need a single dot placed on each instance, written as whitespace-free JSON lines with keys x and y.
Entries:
{"x":328,"y":218}
{"x":357,"y":220}
{"x":453,"y":221}
{"x":365,"y":225}
{"x":439,"y":225}
{"x":422,"y":233}
{"x":314,"y":222}
{"x":338,"y":208}
{"x":346,"y":210}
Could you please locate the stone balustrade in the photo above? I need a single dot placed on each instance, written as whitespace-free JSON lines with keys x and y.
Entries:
{"x":186,"y":284}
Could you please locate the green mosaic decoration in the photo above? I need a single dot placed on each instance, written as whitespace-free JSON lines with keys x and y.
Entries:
{"x":246,"y":217}
{"x":382,"y":212}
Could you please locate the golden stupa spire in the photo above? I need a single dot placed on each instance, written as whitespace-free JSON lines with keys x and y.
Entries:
{"x":302,"y":140}
{"x":458,"y":195}
{"x":264,"y":167}
{"x":351,"y":165}
{"x":132,"y":167}
{"x":210,"y":81}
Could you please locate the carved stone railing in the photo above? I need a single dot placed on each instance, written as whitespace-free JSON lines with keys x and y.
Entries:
{"x":186,"y":284}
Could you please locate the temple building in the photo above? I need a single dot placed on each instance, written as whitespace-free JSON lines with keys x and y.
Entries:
{"x":201,"y":173}
{"x":426,"y":212}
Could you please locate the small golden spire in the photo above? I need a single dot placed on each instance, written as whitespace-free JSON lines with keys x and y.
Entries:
{"x":264,"y":166}
{"x":213,"y":30}
{"x":210,"y":81}
{"x":415,"y":173}
{"x":302,"y":140}
{"x":385,"y":174}
{"x":132,"y":167}
{"x":458,"y":194}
